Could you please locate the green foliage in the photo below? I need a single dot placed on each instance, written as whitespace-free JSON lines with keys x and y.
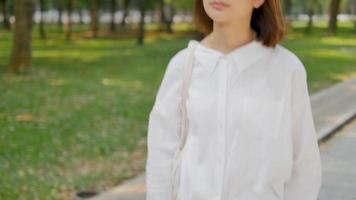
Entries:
{"x":71,"y":123}
{"x":79,"y":119}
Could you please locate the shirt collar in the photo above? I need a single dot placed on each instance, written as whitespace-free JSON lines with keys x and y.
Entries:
{"x":242,"y":57}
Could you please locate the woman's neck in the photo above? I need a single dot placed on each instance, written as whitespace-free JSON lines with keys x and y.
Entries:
{"x":227,"y":37}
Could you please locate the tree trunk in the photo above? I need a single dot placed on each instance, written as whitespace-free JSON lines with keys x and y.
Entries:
{"x":21,"y":54}
{"x":288,"y":7}
{"x":170,"y":10}
{"x":60,"y":14}
{"x":94,"y":18}
{"x":41,"y":24}
{"x":125,"y":13}
{"x":351,"y":10}
{"x":310,"y":20}
{"x":80,"y":14}
{"x":333,"y":12}
{"x":141,"y":33}
{"x":167,"y":12}
{"x":162,"y":16}
{"x":6,"y":21}
{"x":68,"y":21}
{"x":113,"y":6}
{"x":311,"y":10}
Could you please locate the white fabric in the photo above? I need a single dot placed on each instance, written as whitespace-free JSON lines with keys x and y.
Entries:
{"x":176,"y":163}
{"x":251,"y":134}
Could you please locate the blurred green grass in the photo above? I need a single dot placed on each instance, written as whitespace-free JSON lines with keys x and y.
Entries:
{"x":79,"y":119}
{"x":328,"y":58}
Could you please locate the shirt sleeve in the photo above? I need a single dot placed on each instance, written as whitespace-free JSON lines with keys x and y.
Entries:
{"x":305,"y":181}
{"x":163,"y":132}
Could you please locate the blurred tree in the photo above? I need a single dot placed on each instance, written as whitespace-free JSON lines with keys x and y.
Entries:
{"x":351,"y":9}
{"x":287,"y":7}
{"x":94,"y":18}
{"x":312,"y":5}
{"x":80,"y":14}
{"x":287,"y":10}
{"x":59,"y":5}
{"x":333,"y":12}
{"x":186,"y":7}
{"x":21,"y":55}
{"x":125,"y":12}
{"x":79,"y":6}
{"x":141,"y":34}
{"x":113,"y":6}
{"x":167,"y":12}
{"x":41,"y":23}
{"x":161,"y":14}
{"x":5,"y":19}
{"x":68,"y":21}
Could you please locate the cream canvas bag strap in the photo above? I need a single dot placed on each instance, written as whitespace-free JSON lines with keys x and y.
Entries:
{"x":187,"y":73}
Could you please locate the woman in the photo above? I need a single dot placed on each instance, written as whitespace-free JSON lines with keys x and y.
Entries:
{"x":251,"y":134}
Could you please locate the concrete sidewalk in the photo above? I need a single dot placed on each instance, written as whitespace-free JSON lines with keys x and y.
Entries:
{"x":338,"y":161}
{"x":332,"y":108}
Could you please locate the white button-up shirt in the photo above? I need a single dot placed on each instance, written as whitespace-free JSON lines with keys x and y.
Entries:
{"x":251,"y":134}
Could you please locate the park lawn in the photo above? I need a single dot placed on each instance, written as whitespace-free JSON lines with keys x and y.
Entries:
{"x":79,"y":119}
{"x":328,"y":58}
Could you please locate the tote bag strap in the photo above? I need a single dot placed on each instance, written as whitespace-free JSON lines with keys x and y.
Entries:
{"x":188,"y":68}
{"x":187,"y":73}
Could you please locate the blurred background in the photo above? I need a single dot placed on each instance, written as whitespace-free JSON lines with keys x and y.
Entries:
{"x":78,"y":79}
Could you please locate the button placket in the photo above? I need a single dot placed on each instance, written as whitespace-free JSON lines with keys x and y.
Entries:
{"x":223,"y":79}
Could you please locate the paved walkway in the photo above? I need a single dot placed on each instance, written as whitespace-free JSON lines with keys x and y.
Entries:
{"x":339,"y":161}
{"x":133,"y":189}
{"x":332,"y":108}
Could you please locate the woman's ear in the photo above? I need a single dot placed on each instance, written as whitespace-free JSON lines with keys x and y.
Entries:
{"x":258,"y":3}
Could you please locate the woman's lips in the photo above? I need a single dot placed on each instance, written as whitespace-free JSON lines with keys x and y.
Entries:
{"x":218,"y":5}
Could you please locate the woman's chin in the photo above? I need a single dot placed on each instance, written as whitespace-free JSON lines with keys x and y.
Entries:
{"x":221,"y":21}
{"x":219,"y":18}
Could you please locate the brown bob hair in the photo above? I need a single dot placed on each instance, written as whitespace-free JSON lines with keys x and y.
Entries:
{"x":267,"y":21}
